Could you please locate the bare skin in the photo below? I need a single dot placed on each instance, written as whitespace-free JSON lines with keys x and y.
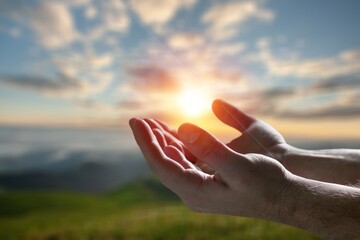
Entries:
{"x":340,"y":166}
{"x":243,"y":182}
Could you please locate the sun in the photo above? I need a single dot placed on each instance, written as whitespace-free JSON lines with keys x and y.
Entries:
{"x":193,"y":103}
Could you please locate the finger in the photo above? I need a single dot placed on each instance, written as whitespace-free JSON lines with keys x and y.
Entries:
{"x":170,"y":172}
{"x":176,"y":143}
{"x":232,"y":116}
{"x":180,"y":145}
{"x":174,"y":153}
{"x":152,"y":123}
{"x":167,"y":128}
{"x":171,"y":136}
{"x":159,"y":137}
{"x":209,"y":149}
{"x":155,"y":125}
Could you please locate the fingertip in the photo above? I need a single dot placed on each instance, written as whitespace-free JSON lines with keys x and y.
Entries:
{"x":149,"y":122}
{"x":183,"y":127}
{"x":189,"y":132}
{"x":147,"y":119}
{"x":168,"y":149}
{"x":157,"y":131}
{"x":131,"y":121}
{"x":216,"y":104}
{"x":218,"y":101}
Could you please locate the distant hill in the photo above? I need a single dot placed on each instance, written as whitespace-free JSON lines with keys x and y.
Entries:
{"x":142,"y":191}
{"x":89,"y":176}
{"x":145,"y":190}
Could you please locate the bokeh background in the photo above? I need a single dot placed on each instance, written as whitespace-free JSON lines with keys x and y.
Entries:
{"x":72,"y":73}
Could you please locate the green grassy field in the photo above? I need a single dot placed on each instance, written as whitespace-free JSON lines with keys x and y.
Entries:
{"x":142,"y":210}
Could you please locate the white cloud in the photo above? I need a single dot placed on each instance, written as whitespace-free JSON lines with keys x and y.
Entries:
{"x":52,"y":22}
{"x":88,"y":61}
{"x":184,"y":40}
{"x":230,"y":48}
{"x":100,"y":61}
{"x":15,"y":32}
{"x":76,"y":3}
{"x":114,"y":16}
{"x":90,"y":11}
{"x":345,"y":63}
{"x":159,"y":12}
{"x":223,"y":33}
{"x":225,"y":19}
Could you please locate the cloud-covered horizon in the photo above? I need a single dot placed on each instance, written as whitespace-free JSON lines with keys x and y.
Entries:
{"x":111,"y":59}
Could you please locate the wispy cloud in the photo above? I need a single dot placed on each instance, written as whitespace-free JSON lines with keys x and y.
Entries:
{"x":346,"y":62}
{"x":151,"y":78}
{"x":332,"y":111}
{"x":185,"y":41}
{"x":159,"y":12}
{"x":51,"y":21}
{"x":59,"y":85}
{"x":338,"y":83}
{"x":226,"y":19}
{"x":285,"y":103}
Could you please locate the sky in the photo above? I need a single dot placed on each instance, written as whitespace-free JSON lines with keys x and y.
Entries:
{"x":95,"y":64}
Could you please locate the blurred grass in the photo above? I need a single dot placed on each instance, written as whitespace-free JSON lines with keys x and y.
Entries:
{"x":141,"y":210}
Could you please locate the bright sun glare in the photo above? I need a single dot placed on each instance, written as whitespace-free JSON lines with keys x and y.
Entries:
{"x":193,"y":103}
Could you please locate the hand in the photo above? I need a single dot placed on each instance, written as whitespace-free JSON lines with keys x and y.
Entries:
{"x":259,"y":137}
{"x":256,"y":135}
{"x":246,"y":185}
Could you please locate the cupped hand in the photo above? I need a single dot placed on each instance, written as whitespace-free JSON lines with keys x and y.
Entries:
{"x":246,"y":185}
{"x":256,"y":135}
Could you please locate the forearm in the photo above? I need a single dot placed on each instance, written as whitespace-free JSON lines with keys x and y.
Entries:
{"x":328,"y":210}
{"x":353,"y":154}
{"x":335,"y":166}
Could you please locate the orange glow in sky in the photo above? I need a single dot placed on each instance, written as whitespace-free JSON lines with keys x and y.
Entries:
{"x":194,"y":103}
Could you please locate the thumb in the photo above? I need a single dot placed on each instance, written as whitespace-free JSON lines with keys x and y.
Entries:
{"x":208,"y":149}
{"x":231,"y":116}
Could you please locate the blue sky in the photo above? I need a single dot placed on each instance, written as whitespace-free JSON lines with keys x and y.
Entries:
{"x":97,"y":63}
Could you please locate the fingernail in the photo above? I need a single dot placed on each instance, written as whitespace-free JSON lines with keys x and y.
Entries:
{"x":192,"y":137}
{"x":189,"y":135}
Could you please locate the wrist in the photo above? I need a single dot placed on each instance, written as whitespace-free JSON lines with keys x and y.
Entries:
{"x":283,"y":206}
{"x":282,"y":152}
{"x":291,"y":159}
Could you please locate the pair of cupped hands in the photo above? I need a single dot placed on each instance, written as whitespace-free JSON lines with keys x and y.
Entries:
{"x":244,"y":177}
